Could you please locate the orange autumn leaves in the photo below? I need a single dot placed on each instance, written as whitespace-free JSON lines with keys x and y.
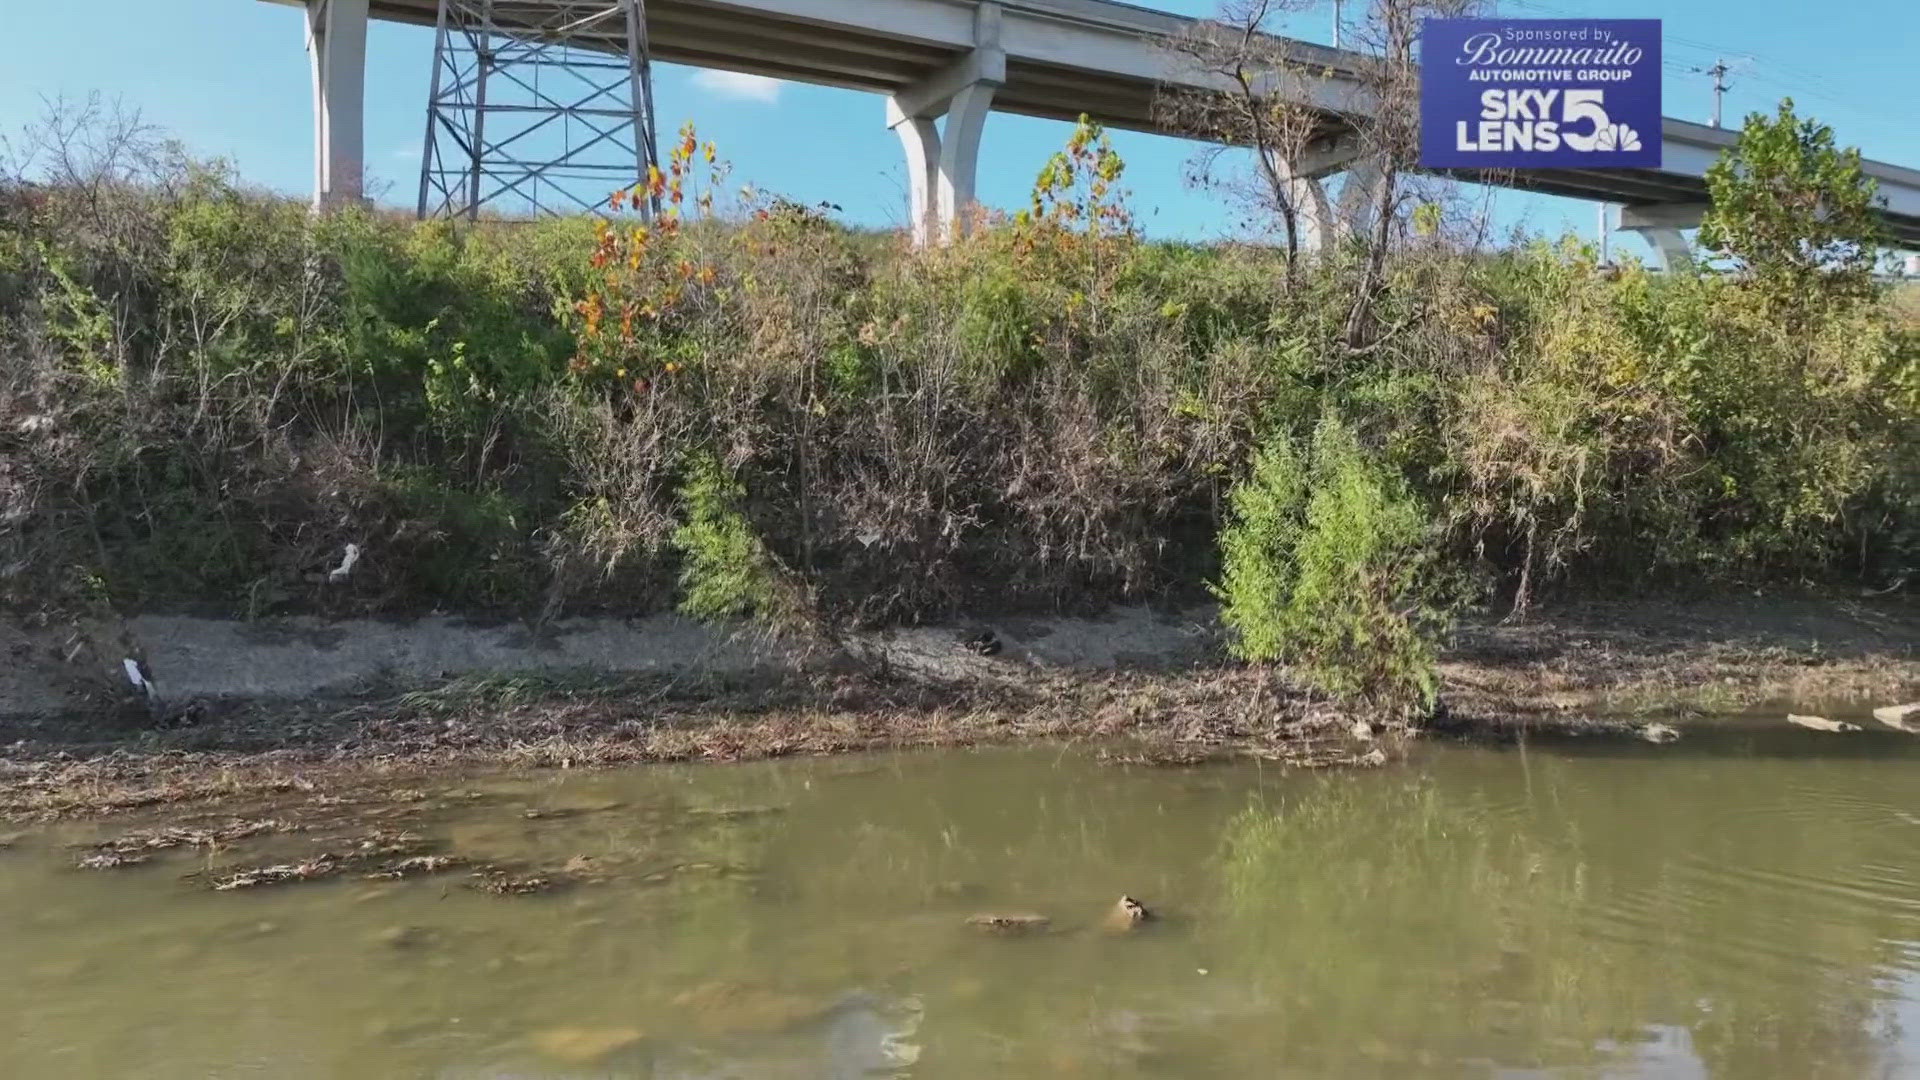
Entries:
{"x":647,"y":270}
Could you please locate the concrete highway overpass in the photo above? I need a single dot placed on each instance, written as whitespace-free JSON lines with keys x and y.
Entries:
{"x":1047,"y":58}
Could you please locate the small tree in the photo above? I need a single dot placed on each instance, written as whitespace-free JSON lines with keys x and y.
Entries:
{"x":1078,"y":229}
{"x":1264,"y":106}
{"x":1387,"y":69}
{"x":1078,"y":189}
{"x":1795,"y":214}
{"x":1265,"y":99}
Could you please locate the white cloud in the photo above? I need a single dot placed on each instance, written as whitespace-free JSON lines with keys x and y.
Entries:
{"x":736,"y":84}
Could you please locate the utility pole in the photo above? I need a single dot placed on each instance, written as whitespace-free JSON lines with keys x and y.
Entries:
{"x":1336,"y":24}
{"x":1719,"y":73}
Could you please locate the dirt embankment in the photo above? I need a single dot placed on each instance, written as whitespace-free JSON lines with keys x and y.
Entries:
{"x":297,"y":705}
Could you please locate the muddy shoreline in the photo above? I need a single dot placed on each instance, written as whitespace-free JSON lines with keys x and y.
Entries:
{"x":1595,"y":669}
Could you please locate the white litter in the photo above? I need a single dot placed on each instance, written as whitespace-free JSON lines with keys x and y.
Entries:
{"x":1821,"y":723}
{"x":139,"y":680}
{"x":339,"y":573}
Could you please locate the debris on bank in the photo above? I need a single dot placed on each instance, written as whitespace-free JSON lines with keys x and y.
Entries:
{"x":1900,"y":717}
{"x":111,"y":860}
{"x":1821,"y":723}
{"x":1145,"y":687}
{"x":495,"y":882}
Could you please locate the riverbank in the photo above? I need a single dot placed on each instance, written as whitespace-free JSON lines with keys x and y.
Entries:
{"x":313,"y":718}
{"x":1609,"y":665}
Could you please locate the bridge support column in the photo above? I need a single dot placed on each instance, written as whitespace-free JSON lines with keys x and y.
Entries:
{"x":1670,"y":244}
{"x":920,"y":138}
{"x":1314,"y":227}
{"x":337,"y":43}
{"x":960,"y":156}
{"x":1360,"y":196}
{"x":1322,"y":223}
{"x":1660,"y":224}
{"x":942,"y":165}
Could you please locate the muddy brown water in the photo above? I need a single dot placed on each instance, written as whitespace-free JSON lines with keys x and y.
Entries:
{"x":1736,"y":905}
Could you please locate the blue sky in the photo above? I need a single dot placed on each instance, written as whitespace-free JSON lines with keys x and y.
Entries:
{"x":230,"y":78}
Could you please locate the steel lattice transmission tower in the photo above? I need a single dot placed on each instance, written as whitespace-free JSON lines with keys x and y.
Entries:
{"x":537,"y":106}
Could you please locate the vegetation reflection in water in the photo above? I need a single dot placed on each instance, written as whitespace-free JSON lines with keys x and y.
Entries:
{"x":1727,"y":911}
{"x":1731,"y":918}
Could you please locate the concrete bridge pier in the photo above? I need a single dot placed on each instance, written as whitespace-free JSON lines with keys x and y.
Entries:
{"x":1315,"y":228}
{"x":1322,"y":223}
{"x":1361,"y":196}
{"x":1660,"y":226}
{"x":943,"y":160}
{"x":337,"y":45}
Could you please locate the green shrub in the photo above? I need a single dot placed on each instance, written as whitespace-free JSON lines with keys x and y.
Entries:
{"x":449,"y":331}
{"x":726,"y":573}
{"x":1259,"y":570}
{"x":1323,"y":568}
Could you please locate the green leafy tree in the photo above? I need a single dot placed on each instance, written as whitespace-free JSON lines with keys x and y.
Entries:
{"x":1795,"y":213}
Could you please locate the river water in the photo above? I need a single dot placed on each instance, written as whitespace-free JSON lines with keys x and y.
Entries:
{"x":1736,"y":905}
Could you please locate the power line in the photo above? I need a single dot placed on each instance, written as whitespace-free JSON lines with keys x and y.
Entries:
{"x":1795,"y":80}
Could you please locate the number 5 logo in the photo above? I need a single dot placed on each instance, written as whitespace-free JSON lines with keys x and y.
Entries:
{"x":1578,"y":105}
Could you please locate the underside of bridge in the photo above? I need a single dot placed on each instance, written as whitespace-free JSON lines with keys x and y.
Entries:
{"x":702,"y":33}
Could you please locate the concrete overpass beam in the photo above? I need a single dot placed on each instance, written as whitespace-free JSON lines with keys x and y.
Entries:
{"x":933,"y":95}
{"x":1328,"y":157}
{"x":1660,"y":226}
{"x":337,"y":44}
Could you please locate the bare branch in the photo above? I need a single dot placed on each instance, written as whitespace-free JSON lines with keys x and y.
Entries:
{"x":1262,"y":106}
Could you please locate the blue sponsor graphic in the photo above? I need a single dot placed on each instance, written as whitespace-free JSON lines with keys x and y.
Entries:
{"x":1540,"y":94}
